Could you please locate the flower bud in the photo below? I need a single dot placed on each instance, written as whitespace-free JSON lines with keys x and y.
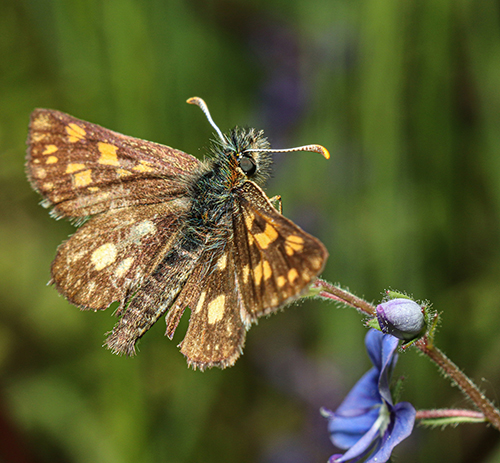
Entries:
{"x":402,"y":318}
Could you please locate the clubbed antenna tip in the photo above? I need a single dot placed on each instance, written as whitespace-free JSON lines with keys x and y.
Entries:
{"x":203,"y":106}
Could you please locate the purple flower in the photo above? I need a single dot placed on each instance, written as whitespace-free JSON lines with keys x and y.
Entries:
{"x":402,"y":318}
{"x":367,"y":422}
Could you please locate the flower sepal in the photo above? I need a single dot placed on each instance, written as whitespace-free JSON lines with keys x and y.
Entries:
{"x":373,"y":324}
{"x":396,"y":295}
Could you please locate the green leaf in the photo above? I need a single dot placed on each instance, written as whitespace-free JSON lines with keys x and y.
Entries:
{"x":450,"y":421}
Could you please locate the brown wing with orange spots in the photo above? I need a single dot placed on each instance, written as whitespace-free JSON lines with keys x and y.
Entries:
{"x":276,"y":261}
{"x":111,"y":255}
{"x":84,"y":169}
{"x":267,"y":262}
{"x":216,"y":332}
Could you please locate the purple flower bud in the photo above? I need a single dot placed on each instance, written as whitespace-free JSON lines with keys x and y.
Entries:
{"x":402,"y":318}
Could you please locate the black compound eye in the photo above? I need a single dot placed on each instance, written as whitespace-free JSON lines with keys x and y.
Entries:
{"x":247,"y":165}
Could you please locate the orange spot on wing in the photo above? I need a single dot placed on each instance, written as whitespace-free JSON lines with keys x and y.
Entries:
{"x":49,"y":149}
{"x":73,"y":167}
{"x":75,"y":132}
{"x":249,"y":219}
{"x":83,"y":178}
{"x":123,"y":172}
{"x":257,"y":273}
{"x":108,"y":154}
{"x":246,"y":272}
{"x":201,"y":301}
{"x":294,"y":244}
{"x":40,"y":173}
{"x":292,"y":275}
{"x":316,"y":262}
{"x":216,"y":309}
{"x":42,"y":122}
{"x":268,"y":272}
{"x":143,"y":167}
{"x":265,"y":238}
{"x":37,"y":137}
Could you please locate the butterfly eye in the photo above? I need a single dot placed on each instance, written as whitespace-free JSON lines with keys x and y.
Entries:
{"x":247,"y":165}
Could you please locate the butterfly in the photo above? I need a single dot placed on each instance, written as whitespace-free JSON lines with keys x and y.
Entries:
{"x":161,"y":231}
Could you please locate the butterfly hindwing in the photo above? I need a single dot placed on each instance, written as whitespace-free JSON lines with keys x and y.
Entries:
{"x":276,"y":260}
{"x":114,"y":252}
{"x":156,"y":295}
{"x":83,"y":169}
{"x":216,"y":332}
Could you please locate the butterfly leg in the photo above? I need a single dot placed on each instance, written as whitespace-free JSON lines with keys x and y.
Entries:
{"x":276,"y":202}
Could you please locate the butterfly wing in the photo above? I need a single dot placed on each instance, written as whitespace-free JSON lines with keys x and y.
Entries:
{"x":84,"y":169}
{"x":136,"y":250}
{"x":172,"y":276}
{"x":216,"y":332}
{"x":113,"y":253}
{"x":267,"y":262}
{"x":275,"y":260}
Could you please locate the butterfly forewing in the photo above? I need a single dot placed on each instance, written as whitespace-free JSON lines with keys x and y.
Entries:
{"x":276,"y":261}
{"x":83,"y":169}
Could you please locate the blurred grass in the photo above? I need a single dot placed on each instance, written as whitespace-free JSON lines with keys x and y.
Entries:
{"x":405,"y":95}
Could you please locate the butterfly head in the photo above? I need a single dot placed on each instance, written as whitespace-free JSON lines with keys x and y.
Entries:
{"x":246,"y":150}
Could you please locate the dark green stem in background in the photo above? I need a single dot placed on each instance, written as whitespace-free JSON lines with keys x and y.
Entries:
{"x":466,"y":385}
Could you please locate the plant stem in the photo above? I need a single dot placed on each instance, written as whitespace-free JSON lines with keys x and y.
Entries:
{"x":466,"y":385}
{"x":330,"y":291}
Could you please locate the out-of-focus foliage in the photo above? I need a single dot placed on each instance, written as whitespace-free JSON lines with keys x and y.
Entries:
{"x":405,"y":95}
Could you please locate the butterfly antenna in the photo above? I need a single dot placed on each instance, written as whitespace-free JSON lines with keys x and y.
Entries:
{"x":316,"y":148}
{"x":203,"y":106}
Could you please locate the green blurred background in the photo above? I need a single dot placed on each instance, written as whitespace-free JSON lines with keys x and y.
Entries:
{"x":405,"y":95}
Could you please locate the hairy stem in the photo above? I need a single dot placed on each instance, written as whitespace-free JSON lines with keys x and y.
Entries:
{"x":330,"y":291}
{"x":465,"y":384}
